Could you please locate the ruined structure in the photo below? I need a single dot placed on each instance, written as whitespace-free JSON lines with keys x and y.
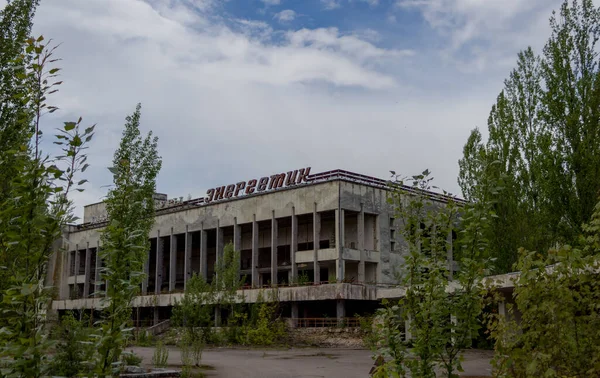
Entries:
{"x":334,"y":229}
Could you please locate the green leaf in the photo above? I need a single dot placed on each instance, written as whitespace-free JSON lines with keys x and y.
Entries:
{"x":69,"y":126}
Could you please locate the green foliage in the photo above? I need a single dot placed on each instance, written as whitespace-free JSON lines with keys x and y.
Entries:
{"x":556,"y":296}
{"x":16,"y":112}
{"x":388,"y":343}
{"x":332,"y":278}
{"x":144,"y":338}
{"x":186,"y":359}
{"x":197,"y":306}
{"x":195,"y":309}
{"x":367,"y":325}
{"x":541,"y":163}
{"x":303,"y":278}
{"x":125,"y":244}
{"x":191,"y":350}
{"x":441,"y":307}
{"x":559,"y":330}
{"x":34,"y":202}
{"x":160,"y":356}
{"x":265,"y":327}
{"x":73,"y":351}
{"x":131,"y":359}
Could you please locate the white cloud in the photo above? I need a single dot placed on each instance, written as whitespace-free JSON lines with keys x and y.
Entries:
{"x":352,"y":46}
{"x":271,"y":2}
{"x":286,"y":15}
{"x":372,"y":3}
{"x":472,"y":27}
{"x":226,"y":101}
{"x":331,"y":4}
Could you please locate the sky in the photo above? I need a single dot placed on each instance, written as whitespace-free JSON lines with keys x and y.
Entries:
{"x":242,"y":89}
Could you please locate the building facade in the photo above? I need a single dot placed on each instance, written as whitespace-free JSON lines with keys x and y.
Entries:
{"x":334,"y":229}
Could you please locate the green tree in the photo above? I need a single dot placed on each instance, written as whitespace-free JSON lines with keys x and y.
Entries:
{"x":572,"y":112}
{"x":33,"y":209}
{"x":195,"y":309}
{"x":543,"y":149}
{"x":73,"y":351}
{"x":125,"y":244}
{"x":442,"y":306}
{"x":557,"y":297}
{"x":16,"y":112}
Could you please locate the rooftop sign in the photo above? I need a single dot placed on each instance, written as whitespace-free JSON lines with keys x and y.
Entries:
{"x":266,"y":183}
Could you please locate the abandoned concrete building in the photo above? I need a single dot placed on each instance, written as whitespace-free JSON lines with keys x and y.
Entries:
{"x":334,"y":229}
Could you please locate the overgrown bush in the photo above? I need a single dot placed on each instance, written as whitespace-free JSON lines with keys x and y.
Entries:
{"x":267,"y":329}
{"x":131,"y":359}
{"x":558,"y":334}
{"x":160,"y":356}
{"x":557,"y":297}
{"x":73,"y":351}
{"x":144,"y":338}
{"x":441,"y":307}
{"x":303,"y":278}
{"x":367,"y":325}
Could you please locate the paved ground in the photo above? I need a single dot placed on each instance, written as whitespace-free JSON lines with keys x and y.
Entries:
{"x":303,"y":362}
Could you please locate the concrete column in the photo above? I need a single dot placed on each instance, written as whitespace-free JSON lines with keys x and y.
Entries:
{"x":294,"y":314}
{"x":70,"y":258}
{"x":88,"y":273}
{"x":502,"y":308}
{"x":254,"y":251}
{"x":237,"y":243}
{"x":407,"y":328}
{"x":274,"y":249}
{"x":159,"y":265}
{"x":105,"y":282}
{"x":378,"y":247}
{"x":203,"y":253}
{"x":237,"y":235}
{"x":187,"y":260}
{"x":97,"y":271}
{"x":339,"y":244}
{"x":361,"y":244}
{"x":340,"y":310}
{"x":378,"y":233}
{"x":218,"y":247}
{"x":172,"y":261}
{"x":76,"y":287}
{"x":450,"y":256}
{"x":294,"y":247}
{"x":146,"y":271}
{"x":316,"y":239}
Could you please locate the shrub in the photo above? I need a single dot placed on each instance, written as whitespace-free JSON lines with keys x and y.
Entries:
{"x":559,"y":331}
{"x":131,"y":359}
{"x":72,"y":348}
{"x":160,"y":356}
{"x":143,"y":338}
{"x":268,"y":329}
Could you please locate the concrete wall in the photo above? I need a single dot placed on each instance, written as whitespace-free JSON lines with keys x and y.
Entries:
{"x":95,"y":212}
{"x":377,"y":262}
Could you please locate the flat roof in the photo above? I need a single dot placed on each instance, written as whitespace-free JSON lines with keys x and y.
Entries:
{"x":174,"y":205}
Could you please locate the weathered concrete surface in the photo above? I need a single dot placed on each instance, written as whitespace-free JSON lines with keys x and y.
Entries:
{"x":284,"y":294}
{"x":309,"y":362}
